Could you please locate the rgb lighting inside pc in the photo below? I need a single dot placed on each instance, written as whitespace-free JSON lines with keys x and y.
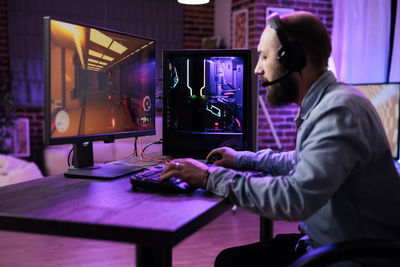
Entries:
{"x":206,"y":102}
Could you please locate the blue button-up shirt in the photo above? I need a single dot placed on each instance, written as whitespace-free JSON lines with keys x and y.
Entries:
{"x":340,"y":182}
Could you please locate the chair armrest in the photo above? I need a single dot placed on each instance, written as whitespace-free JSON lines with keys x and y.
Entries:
{"x":348,"y":250}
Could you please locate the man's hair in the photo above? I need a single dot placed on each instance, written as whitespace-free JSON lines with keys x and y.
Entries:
{"x":307,"y":29}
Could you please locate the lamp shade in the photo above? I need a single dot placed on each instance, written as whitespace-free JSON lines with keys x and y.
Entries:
{"x":193,"y":2}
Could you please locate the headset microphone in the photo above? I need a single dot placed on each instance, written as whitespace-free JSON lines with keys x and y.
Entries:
{"x":268,"y":83}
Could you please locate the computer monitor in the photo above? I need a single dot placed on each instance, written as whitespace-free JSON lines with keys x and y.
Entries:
{"x":386,"y":98}
{"x":209,"y":101}
{"x":99,"y":85}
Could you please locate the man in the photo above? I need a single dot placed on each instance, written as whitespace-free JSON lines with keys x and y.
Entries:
{"x":340,"y":182}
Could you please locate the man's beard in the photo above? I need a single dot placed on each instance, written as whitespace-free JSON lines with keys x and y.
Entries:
{"x":284,"y":92}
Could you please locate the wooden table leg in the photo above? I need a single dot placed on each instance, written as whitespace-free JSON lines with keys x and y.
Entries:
{"x":153,"y":256}
{"x":266,"y":228}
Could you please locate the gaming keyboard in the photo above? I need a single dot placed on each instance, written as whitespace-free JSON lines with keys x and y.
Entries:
{"x":149,"y":179}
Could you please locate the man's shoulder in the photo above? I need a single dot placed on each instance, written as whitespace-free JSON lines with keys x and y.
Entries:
{"x":345,"y":95}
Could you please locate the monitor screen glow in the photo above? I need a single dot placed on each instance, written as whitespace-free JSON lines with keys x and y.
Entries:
{"x":386,"y":99}
{"x":100,"y":84}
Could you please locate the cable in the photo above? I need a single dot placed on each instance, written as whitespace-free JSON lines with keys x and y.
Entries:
{"x":68,"y":158}
{"x":158,"y":159}
{"x":147,"y":158}
{"x":141,"y":151}
{"x":238,"y":122}
{"x":135,"y":147}
{"x":140,"y":148}
{"x":152,"y":143}
{"x":142,"y":156}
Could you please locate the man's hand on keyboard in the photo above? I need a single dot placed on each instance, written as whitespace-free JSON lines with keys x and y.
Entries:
{"x":190,"y":170}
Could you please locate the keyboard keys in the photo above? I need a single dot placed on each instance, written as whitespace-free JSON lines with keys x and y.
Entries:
{"x":150,"y":179}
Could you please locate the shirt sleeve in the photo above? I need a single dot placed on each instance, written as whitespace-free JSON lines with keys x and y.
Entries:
{"x":330,"y":149}
{"x":267,"y":161}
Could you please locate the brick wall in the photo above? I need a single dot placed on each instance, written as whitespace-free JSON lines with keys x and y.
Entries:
{"x":4,"y":53}
{"x":35,"y":114}
{"x":281,"y":117}
{"x":4,"y":71}
{"x":198,"y":22}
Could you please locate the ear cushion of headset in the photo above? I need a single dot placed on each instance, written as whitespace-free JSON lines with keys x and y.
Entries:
{"x":284,"y":56}
{"x":293,"y":57}
{"x":298,"y":60}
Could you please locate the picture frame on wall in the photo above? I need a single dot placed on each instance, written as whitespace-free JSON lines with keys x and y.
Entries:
{"x":281,"y":11}
{"x":240,"y":27}
{"x":21,"y":139}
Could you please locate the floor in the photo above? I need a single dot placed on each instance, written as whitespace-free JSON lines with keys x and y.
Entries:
{"x":200,"y":249}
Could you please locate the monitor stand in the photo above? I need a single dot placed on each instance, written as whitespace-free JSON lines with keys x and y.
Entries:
{"x":83,"y":166}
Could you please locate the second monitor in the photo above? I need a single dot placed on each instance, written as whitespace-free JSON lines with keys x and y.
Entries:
{"x":210,"y":100}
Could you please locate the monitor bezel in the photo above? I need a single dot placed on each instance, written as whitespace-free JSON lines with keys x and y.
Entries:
{"x":106,"y":137}
{"x":397,"y":156}
{"x":250,"y":98}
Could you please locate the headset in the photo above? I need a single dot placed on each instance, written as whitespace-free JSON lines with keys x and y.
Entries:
{"x":290,"y":54}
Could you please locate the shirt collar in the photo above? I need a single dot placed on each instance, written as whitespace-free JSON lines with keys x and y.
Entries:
{"x":315,"y":93}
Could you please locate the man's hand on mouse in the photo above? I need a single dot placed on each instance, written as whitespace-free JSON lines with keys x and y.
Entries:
{"x":190,"y":170}
{"x":226,"y":156}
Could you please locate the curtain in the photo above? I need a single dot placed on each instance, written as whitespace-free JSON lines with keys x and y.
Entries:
{"x":394,"y":75}
{"x":361,"y":40}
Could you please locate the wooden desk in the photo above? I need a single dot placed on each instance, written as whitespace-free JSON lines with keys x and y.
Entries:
{"x":108,"y":210}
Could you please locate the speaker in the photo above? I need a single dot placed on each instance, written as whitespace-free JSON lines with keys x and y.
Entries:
{"x":290,"y":54}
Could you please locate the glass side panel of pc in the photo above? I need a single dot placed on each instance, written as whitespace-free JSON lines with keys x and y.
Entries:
{"x":209,"y":101}
{"x":386,"y":99}
{"x":99,"y":84}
